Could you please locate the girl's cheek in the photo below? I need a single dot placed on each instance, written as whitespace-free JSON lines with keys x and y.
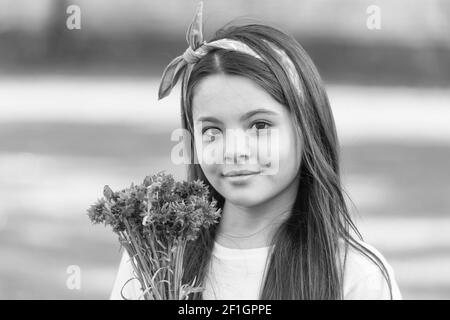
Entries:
{"x":209,"y":156}
{"x":287,"y":153}
{"x":211,"y":153}
{"x":267,"y":150}
{"x":275,"y":150}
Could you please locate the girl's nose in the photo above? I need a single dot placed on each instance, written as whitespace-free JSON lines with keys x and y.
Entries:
{"x":237,"y":148}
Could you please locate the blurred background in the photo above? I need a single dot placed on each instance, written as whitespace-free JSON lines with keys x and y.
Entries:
{"x":79,"y":109}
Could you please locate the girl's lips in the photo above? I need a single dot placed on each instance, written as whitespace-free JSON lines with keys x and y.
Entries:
{"x":240,"y":177}
{"x":240,"y":173}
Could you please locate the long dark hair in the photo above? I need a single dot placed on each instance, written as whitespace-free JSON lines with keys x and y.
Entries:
{"x":319,"y":227}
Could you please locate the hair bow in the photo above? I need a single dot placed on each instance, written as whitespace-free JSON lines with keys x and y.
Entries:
{"x":197,"y":49}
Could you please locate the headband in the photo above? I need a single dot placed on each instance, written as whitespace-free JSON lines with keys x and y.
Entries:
{"x":198,"y":48}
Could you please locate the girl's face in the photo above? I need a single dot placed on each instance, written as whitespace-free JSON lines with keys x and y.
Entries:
{"x":233,"y":117}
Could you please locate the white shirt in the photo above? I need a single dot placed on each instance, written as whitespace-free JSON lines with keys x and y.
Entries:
{"x":236,"y":274}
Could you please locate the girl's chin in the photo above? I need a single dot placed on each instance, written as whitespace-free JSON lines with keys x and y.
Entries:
{"x":243,"y":200}
{"x":243,"y":193}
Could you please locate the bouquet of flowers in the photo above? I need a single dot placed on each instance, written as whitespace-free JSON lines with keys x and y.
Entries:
{"x":154,"y":221}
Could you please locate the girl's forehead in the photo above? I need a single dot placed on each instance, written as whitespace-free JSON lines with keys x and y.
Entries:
{"x":231,"y":96}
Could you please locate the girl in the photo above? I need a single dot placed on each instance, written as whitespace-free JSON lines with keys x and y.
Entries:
{"x":285,"y":231}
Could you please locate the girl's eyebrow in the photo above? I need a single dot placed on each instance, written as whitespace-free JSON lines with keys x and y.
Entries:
{"x":243,"y":117}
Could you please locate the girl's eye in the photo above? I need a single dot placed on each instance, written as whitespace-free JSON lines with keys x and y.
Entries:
{"x":260,"y":125}
{"x":210,"y":134}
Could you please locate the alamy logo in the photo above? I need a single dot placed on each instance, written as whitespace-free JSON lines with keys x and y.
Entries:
{"x":73,"y":281}
{"x":73,"y":21}
{"x":374,"y":19}
{"x":236,"y":146}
